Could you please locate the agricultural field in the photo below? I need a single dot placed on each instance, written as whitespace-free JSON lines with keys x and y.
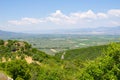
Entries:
{"x":54,"y":43}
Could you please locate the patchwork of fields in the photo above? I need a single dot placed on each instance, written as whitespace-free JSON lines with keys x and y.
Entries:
{"x":52,"y":44}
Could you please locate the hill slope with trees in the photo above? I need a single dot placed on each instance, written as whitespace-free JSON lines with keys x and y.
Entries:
{"x":89,"y":53}
{"x":22,"y":62}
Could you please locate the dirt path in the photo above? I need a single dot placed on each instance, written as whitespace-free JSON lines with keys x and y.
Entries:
{"x":62,"y":57}
{"x":53,"y":50}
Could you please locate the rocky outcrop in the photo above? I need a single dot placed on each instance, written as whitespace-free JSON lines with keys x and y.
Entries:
{"x":4,"y":77}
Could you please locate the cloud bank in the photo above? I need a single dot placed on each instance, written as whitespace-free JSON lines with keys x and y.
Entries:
{"x":80,"y":19}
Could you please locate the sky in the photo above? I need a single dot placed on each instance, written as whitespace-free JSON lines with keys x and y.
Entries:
{"x":32,"y":16}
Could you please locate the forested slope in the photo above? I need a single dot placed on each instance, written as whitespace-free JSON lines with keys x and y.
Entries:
{"x":22,"y":62}
{"x":87,"y":53}
{"x":12,"y":49}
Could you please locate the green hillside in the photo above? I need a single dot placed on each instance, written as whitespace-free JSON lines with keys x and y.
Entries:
{"x":83,"y":53}
{"x":12,"y":50}
{"x":106,"y":67}
{"x":20,"y":61}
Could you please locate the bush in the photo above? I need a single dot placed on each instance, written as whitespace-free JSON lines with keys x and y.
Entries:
{"x":106,"y":67}
{"x":1,"y":42}
{"x":18,"y":69}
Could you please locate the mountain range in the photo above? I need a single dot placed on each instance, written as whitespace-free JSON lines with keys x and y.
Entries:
{"x":92,"y":31}
{"x":82,"y":31}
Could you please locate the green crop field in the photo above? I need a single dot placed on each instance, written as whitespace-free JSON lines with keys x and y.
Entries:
{"x":52,"y":44}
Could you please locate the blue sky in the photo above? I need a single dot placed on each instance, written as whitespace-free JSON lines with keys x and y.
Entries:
{"x":41,"y":15}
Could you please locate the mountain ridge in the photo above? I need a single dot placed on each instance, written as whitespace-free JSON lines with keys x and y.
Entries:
{"x":81,"y":31}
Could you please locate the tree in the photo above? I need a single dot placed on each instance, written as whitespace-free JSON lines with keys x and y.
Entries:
{"x":106,"y":67}
{"x":1,"y":42}
{"x":18,"y":69}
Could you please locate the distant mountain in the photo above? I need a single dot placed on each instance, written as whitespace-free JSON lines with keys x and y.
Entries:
{"x":92,"y":31}
{"x":81,"y":31}
{"x":11,"y":35}
{"x":7,"y":33}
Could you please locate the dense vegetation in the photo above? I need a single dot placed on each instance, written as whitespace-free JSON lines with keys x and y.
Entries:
{"x":106,"y":67}
{"x":22,"y":62}
{"x":10,"y":50}
{"x":82,"y":53}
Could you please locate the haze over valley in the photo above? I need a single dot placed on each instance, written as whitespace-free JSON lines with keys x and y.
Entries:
{"x":59,"y":40}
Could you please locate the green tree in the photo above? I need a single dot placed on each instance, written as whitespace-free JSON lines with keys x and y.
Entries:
{"x":18,"y":68}
{"x":1,"y":42}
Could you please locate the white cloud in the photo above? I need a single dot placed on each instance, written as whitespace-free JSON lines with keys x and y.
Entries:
{"x":26,"y":21}
{"x":114,"y":12}
{"x":115,"y":23}
{"x":32,"y":20}
{"x":85,"y":15}
{"x":82,"y":19}
{"x":102,"y":15}
{"x":59,"y":18}
{"x":88,"y":15}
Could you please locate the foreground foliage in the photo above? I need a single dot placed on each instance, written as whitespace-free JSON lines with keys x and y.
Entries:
{"x":45,"y":67}
{"x":105,"y":67}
